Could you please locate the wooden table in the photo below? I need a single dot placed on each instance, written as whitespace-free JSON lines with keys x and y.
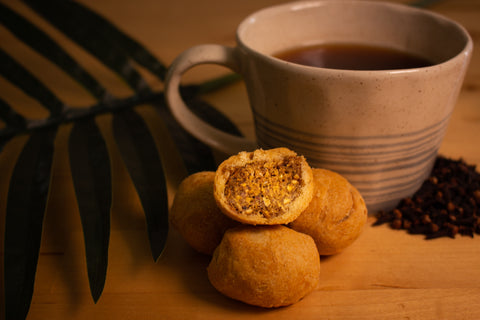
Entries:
{"x":386,"y":274}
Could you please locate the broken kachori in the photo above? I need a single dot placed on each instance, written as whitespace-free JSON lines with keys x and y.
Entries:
{"x":266,"y":266}
{"x":264,"y":187}
{"x":336,"y":215}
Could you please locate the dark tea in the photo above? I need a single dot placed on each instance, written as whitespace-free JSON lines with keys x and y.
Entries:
{"x":353,"y":57}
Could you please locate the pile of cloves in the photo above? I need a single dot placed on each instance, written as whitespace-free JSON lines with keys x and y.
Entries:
{"x":447,"y":204}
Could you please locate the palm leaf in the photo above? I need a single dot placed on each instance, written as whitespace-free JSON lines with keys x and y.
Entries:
{"x":89,"y":156}
{"x":3,"y":141}
{"x":423,"y":3}
{"x":11,"y":118}
{"x":139,"y":153}
{"x":27,"y":198}
{"x":44,"y":44}
{"x":75,"y":15}
{"x":94,"y":34}
{"x":117,"y":50}
{"x":23,"y":79}
{"x":195,"y":154}
{"x":90,"y":166}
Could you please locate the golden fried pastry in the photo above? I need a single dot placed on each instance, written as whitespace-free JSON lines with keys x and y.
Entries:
{"x":266,"y":266}
{"x":336,"y":216}
{"x":195,"y":214}
{"x":264,"y":186}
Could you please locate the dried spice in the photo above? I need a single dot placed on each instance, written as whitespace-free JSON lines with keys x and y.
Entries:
{"x":447,"y":204}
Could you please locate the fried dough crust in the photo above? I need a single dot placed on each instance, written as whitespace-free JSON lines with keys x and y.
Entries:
{"x":336,"y":215}
{"x":195,"y":214}
{"x":266,"y":266}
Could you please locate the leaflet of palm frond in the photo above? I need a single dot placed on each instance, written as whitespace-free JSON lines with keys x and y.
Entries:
{"x":139,"y":153}
{"x":90,"y":166}
{"x":26,"y":202}
{"x":195,"y":154}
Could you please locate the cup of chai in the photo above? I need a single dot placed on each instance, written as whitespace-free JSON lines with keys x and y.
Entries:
{"x":363,"y":88}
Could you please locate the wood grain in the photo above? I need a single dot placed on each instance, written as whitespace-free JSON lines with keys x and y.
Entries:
{"x":386,"y":274}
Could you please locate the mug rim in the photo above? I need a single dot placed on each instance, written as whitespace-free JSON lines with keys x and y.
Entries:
{"x":305,"y":4}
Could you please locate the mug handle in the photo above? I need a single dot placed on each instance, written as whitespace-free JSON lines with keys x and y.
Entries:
{"x":213,"y":137}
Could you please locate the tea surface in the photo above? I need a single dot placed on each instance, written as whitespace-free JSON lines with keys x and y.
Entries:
{"x":353,"y":57}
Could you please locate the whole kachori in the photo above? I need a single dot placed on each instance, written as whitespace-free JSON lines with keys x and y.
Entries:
{"x":336,"y":215}
{"x":195,"y":214}
{"x":266,"y":266}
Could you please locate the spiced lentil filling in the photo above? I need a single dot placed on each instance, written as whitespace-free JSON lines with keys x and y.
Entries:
{"x":265,"y":187}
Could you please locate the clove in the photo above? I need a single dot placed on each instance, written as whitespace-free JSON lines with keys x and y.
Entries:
{"x":447,"y":204}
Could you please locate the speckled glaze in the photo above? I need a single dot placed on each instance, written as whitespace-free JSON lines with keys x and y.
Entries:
{"x":380,"y":129}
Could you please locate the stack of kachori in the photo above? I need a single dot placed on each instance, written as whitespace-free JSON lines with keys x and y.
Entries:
{"x":266,"y":217}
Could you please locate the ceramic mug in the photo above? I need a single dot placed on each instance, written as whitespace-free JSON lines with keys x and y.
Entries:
{"x":380,"y":129}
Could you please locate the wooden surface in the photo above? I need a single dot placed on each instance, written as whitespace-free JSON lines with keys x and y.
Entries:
{"x":386,"y":274}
